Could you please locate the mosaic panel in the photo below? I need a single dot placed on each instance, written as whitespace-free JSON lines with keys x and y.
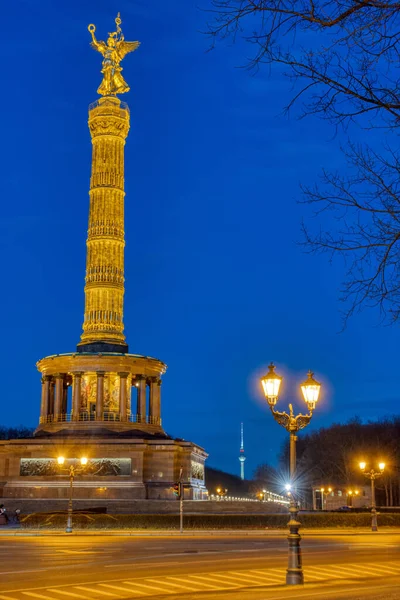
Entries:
{"x":99,"y":467}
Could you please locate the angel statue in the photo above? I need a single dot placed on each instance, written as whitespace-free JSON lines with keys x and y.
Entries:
{"x":113,"y":52}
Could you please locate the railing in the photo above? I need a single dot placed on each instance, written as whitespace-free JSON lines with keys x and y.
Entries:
{"x":104,"y":102}
{"x":276,"y":498}
{"x":106,"y":416}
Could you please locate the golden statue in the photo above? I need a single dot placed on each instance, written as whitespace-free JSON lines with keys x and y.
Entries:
{"x":113,"y":52}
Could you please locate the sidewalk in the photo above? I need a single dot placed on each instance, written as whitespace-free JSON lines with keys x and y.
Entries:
{"x":14,"y":531}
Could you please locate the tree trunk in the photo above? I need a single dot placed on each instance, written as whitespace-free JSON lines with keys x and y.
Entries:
{"x":386,"y":493}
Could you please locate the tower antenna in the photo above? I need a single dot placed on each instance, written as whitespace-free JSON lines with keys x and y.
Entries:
{"x":242,"y":457}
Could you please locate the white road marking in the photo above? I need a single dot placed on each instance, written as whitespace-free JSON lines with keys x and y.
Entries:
{"x":27,"y":571}
{"x":207,"y":578}
{"x":256,"y":579}
{"x":196,"y":582}
{"x":149,"y":587}
{"x":67,"y":593}
{"x":117,"y":587}
{"x":38,"y":595}
{"x":176,"y":585}
{"x":93,"y":591}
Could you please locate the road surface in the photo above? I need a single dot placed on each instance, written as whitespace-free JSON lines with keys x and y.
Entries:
{"x":198,"y":567}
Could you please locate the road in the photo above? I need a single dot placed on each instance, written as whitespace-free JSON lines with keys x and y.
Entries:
{"x":198,"y":567}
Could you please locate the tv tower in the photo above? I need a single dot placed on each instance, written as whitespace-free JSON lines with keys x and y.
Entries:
{"x":242,"y":457}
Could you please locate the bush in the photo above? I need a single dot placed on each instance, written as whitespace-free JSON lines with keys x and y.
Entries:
{"x":171,"y":522}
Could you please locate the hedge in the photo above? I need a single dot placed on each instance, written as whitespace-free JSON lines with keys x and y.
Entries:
{"x":171,"y":522}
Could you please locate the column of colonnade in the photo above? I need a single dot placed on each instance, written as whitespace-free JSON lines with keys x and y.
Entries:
{"x":54,"y":398}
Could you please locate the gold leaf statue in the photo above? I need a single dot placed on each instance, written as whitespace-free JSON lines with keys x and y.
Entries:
{"x":113,"y":52}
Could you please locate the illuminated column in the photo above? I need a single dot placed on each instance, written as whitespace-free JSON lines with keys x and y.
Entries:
{"x":59,"y":395}
{"x":141,"y":399}
{"x":155,"y":401}
{"x":76,"y":395}
{"x":51,"y":397}
{"x":64,"y":398}
{"x":123,"y":395}
{"x":104,"y":290}
{"x":100,"y":396}
{"x":44,"y":408}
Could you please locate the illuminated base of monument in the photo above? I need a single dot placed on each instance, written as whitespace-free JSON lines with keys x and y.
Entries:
{"x":106,"y":407}
{"x":120,"y":470}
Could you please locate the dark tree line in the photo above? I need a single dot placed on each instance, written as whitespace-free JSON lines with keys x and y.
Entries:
{"x":342,"y":58}
{"x":331,"y":456}
{"x":13,"y":433}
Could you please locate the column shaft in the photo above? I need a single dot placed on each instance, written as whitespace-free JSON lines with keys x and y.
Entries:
{"x":76,"y":396}
{"x":141,"y":400}
{"x":100,"y":396}
{"x":44,"y":408}
{"x":59,"y":396}
{"x":64,"y":399}
{"x":51,"y":397}
{"x":155,"y":401}
{"x":123,"y":396}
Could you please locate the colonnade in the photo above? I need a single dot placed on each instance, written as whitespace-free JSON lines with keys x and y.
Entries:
{"x":55,"y":397}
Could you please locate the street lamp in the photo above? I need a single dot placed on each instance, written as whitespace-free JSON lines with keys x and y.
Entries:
{"x":324,"y":493}
{"x":310,"y":389}
{"x":372,"y":475}
{"x":221,"y":492}
{"x":72,"y":471}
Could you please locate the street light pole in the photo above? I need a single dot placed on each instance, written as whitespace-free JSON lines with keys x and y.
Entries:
{"x":72,"y":471}
{"x":372,"y":475}
{"x":310,"y":389}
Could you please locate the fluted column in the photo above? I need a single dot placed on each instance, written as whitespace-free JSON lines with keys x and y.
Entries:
{"x":44,"y":408}
{"x":100,"y":396}
{"x":104,"y":289}
{"x":76,"y":395}
{"x":155,"y":401}
{"x":123,"y":395}
{"x":141,"y":399}
{"x":64,"y":402}
{"x":51,"y":396}
{"x":59,"y":396}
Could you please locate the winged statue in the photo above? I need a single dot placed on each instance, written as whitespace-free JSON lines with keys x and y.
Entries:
{"x":113,"y":52}
{"x":289,"y":421}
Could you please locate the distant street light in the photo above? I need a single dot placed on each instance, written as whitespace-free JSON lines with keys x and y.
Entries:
{"x":72,"y":471}
{"x":221,"y":492}
{"x":310,"y":390}
{"x":350,"y":494}
{"x":372,"y":475}
{"x":324,"y":494}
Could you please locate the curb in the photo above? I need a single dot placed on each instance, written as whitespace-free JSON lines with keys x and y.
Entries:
{"x":195,"y":532}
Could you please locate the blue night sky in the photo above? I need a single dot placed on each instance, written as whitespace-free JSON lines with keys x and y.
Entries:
{"x":216,"y":285}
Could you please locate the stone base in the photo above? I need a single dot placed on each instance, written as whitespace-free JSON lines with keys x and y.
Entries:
{"x":119,"y":471}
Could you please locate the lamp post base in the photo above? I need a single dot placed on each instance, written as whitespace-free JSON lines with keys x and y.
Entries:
{"x":69,"y":522}
{"x":294,"y":573}
{"x":374,"y":522}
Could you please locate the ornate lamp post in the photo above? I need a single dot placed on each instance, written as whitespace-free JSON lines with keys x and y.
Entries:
{"x":372,"y":475}
{"x":72,"y":471}
{"x":310,"y":389}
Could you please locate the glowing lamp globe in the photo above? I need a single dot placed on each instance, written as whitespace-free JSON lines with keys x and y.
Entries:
{"x":83,"y":460}
{"x":310,"y":389}
{"x":381,"y":466}
{"x":60,"y":460}
{"x":363,"y":465}
{"x":271,"y":383}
